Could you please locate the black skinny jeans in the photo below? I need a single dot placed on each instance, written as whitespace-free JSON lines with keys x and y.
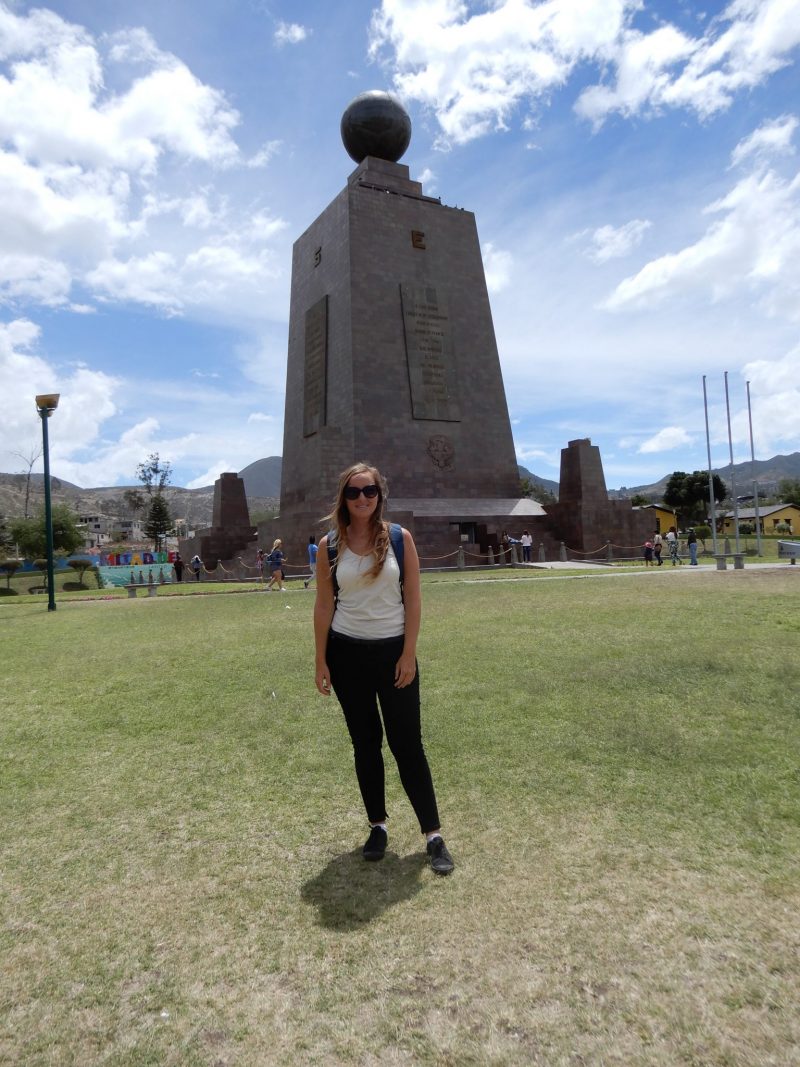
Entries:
{"x":362,"y":673}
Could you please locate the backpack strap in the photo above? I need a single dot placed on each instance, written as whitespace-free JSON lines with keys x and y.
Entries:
{"x":332,"y":554}
{"x":398,"y":547}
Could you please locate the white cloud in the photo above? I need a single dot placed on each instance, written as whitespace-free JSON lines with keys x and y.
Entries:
{"x":610,"y":242}
{"x":530,"y":454}
{"x":775,"y":401}
{"x":87,"y":397}
{"x":665,"y":440}
{"x":54,"y":107}
{"x":773,"y":138}
{"x":264,"y":154}
{"x":497,"y":266}
{"x":85,"y":451}
{"x":473,"y":69}
{"x":428,"y":180}
{"x":259,"y":416}
{"x":290,"y":33}
{"x":748,"y":43}
{"x":35,"y":278}
{"x":221,"y":466}
{"x":751,"y":249}
{"x":84,"y":174}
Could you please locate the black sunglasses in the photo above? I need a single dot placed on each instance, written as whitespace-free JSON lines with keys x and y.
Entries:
{"x":353,"y":492}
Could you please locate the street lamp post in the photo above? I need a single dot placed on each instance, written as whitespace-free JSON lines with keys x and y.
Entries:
{"x":46,"y":404}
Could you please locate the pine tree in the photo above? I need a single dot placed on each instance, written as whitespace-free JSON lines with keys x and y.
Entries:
{"x":159,"y":521}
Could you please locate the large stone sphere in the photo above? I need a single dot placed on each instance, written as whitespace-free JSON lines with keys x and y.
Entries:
{"x":375,"y":124}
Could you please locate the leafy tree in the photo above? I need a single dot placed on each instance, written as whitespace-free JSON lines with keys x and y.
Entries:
{"x":134,"y":500}
{"x":639,"y":500}
{"x":703,"y":532}
{"x":158,"y":522}
{"x":5,"y":536}
{"x":789,"y":491}
{"x":31,"y":536}
{"x":9,"y":566}
{"x":535,"y":492}
{"x":81,"y":566}
{"x":153,"y":474}
{"x":688,"y":494}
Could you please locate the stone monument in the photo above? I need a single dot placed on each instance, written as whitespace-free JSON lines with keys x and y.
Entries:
{"x":392,"y":356}
{"x":230,"y":533}
{"x":584,"y":518}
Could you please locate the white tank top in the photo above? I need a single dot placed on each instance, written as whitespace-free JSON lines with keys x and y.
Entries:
{"x":369,"y":608}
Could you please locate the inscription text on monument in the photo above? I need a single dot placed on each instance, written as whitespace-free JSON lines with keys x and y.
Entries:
{"x":316,"y":367}
{"x":429,"y":351}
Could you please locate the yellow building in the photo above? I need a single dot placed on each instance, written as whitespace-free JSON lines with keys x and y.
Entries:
{"x":663,"y":517}
{"x":771,"y":515}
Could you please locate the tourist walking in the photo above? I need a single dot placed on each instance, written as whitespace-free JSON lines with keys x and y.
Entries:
{"x":276,"y":560}
{"x":527,"y":543}
{"x":648,"y":553}
{"x":197,"y":566}
{"x":658,"y":545}
{"x":312,"y":561}
{"x":366,"y":623}
{"x":177,"y":566}
{"x":672,"y":544}
{"x":691,"y":541}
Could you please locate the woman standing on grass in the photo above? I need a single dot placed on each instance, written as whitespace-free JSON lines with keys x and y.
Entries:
{"x":276,"y":561}
{"x":366,"y":632}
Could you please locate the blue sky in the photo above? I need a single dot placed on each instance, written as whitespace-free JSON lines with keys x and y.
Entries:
{"x":633,"y":168}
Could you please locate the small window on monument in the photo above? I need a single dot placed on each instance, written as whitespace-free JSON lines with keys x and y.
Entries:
{"x":317,"y":256}
{"x":417,"y":238}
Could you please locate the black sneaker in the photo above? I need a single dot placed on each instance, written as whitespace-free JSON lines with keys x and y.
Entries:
{"x":375,"y":846}
{"x":441,"y":860}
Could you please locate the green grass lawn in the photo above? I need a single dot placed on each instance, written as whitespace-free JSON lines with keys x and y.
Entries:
{"x":617,"y":770}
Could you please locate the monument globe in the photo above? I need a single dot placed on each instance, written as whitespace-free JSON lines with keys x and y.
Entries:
{"x":375,"y":124}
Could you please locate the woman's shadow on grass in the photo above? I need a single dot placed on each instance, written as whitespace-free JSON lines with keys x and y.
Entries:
{"x":348,"y":892}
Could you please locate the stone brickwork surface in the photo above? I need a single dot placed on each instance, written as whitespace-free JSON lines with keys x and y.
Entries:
{"x":584,"y":518}
{"x":408,"y":369}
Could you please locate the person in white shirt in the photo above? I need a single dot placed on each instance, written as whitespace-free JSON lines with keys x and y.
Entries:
{"x":527,"y":542}
{"x":365,"y":629}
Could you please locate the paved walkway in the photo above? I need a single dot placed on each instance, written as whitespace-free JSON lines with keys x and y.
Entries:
{"x":593,"y":570}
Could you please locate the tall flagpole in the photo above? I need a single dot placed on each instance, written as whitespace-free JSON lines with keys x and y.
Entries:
{"x":710,"y":475}
{"x":733,"y":476}
{"x":753,"y":471}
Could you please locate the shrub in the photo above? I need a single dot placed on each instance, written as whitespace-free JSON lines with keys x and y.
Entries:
{"x":81,"y":566}
{"x":9,"y":566}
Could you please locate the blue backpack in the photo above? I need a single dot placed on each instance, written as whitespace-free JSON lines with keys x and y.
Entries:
{"x":396,"y":540}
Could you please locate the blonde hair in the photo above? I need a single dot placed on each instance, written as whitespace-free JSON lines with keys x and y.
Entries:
{"x":339,"y":517}
{"x":276,"y":543}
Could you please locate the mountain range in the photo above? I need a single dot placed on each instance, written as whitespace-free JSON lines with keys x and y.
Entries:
{"x":262,"y":481}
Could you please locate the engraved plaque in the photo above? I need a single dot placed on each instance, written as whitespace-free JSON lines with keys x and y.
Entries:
{"x":315,"y":381}
{"x":429,"y":350}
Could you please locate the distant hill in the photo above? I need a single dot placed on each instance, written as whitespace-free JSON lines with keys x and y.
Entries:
{"x":543,"y":483}
{"x":194,"y":505}
{"x":263,"y":478}
{"x":766,"y":472}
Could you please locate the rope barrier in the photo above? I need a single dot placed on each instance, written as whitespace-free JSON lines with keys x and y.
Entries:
{"x":447,"y":555}
{"x":255,"y":568}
